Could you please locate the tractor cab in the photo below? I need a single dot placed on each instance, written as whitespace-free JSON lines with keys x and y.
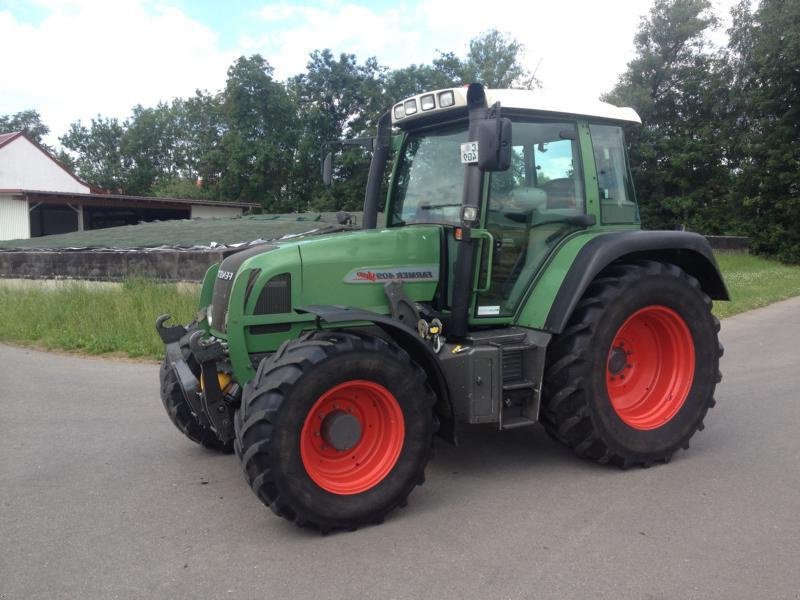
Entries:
{"x":563,"y":173}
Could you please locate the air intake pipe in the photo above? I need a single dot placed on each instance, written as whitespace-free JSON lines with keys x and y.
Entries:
{"x":380,"y":155}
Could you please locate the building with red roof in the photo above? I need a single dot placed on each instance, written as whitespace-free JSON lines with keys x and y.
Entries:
{"x":39,"y":196}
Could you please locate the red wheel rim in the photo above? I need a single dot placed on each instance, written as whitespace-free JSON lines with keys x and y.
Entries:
{"x":650,"y":367}
{"x":369,"y":461}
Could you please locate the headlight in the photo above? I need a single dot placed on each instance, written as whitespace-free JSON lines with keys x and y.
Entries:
{"x":410,"y":107}
{"x":399,"y":113}
{"x":469,"y":213}
{"x":427,"y":102}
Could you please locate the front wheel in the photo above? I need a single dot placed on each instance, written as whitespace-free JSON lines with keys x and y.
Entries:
{"x":179,"y":411}
{"x":335,"y":430}
{"x":632,"y":376}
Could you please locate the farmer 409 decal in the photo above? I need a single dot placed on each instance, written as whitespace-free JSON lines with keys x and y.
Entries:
{"x":382,"y":275}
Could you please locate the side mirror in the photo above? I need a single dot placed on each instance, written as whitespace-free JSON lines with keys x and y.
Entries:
{"x":327,"y":169}
{"x":494,"y":144}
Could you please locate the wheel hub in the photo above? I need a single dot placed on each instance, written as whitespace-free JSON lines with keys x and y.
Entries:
{"x":352,"y":437}
{"x":617,"y":360}
{"x":341,"y":430}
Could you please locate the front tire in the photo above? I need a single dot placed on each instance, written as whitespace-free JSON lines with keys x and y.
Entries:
{"x":178,"y":409}
{"x":632,"y":376}
{"x":335,"y":430}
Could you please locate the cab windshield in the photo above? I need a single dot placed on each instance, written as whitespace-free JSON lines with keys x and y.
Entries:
{"x":430,"y":178}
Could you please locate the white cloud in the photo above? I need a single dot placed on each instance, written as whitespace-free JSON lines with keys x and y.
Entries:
{"x":579,"y":46}
{"x":93,"y":56}
{"x":297,"y":30}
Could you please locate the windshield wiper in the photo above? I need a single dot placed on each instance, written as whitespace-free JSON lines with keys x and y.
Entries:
{"x":432,"y":206}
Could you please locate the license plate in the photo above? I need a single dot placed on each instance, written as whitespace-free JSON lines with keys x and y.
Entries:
{"x":469,"y":153}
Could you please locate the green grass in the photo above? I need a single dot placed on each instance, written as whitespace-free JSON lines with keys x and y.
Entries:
{"x":91,"y":318}
{"x":119,"y":319}
{"x":754,"y":281}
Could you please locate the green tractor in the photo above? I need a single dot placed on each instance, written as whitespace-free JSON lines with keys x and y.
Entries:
{"x":510,"y":285}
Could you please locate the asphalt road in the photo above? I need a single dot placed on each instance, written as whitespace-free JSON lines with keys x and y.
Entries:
{"x":100,"y":497}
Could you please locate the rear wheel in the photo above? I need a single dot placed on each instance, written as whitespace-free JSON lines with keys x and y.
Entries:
{"x":335,"y":430}
{"x":632,"y":376}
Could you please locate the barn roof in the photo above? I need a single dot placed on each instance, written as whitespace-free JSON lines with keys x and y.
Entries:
{"x":7,"y":137}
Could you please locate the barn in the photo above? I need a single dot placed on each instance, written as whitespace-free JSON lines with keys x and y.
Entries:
{"x":39,"y":196}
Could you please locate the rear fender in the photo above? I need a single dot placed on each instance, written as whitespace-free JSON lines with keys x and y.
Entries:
{"x":690,"y":251}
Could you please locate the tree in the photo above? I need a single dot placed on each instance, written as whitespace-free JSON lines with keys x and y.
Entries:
{"x":98,"y":153}
{"x":259,"y":140}
{"x":679,"y":154}
{"x":493,"y":59}
{"x":149,"y":145}
{"x":201,"y":124}
{"x":253,"y":159}
{"x":413,"y":79}
{"x":28,"y":121}
{"x":336,"y":98}
{"x":765,"y":54}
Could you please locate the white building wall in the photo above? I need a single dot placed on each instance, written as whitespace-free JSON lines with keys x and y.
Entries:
{"x":23,"y":166}
{"x":15,"y":222}
{"x":200,"y":211}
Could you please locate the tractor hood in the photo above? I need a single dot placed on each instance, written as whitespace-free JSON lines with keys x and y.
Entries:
{"x":351,"y":269}
{"x":347,"y":269}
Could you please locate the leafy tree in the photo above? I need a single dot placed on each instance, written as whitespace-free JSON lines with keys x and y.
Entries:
{"x":98,"y":153}
{"x":680,"y":90}
{"x":765,"y":53}
{"x":200,"y":122}
{"x":253,"y":159}
{"x":28,"y":121}
{"x":182,"y":188}
{"x":413,"y":79}
{"x":259,"y":140}
{"x":336,"y":98}
{"x":149,"y":146}
{"x":493,"y":59}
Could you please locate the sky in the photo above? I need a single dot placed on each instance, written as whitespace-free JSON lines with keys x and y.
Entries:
{"x":75,"y":59}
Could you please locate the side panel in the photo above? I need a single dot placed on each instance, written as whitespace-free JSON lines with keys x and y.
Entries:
{"x":535,"y":308}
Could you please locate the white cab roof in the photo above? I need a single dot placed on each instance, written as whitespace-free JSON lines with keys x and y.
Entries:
{"x":533,"y":100}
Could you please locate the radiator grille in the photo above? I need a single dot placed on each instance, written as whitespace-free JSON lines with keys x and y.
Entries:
{"x":276,"y":297}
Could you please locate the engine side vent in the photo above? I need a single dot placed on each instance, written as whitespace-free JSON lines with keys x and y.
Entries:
{"x":276,"y":297}
{"x":512,"y":365}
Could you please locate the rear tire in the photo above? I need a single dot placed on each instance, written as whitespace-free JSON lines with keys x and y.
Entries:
{"x":179,"y":411}
{"x":632,"y":376}
{"x":281,"y":438}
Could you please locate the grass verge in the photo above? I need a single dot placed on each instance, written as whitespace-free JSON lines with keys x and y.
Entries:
{"x":93,"y":318}
{"x":119,"y":318}
{"x":754,"y":281}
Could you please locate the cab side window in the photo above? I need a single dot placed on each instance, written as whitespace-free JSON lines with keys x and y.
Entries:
{"x":617,"y":202}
